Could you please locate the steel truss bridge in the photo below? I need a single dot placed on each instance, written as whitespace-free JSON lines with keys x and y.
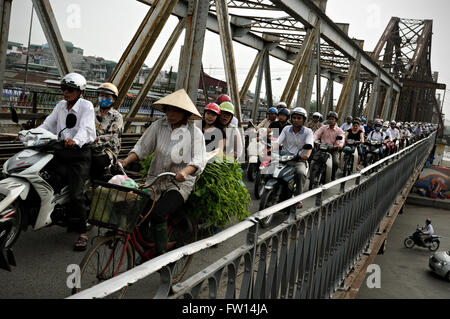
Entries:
{"x":310,"y":255}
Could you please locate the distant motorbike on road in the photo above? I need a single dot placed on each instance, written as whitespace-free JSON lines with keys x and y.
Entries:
{"x":430,"y":243}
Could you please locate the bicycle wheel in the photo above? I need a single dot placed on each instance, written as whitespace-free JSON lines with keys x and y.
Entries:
{"x":181,"y":233}
{"x":104,"y":260}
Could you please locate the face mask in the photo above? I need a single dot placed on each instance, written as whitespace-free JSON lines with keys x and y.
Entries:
{"x":377,"y":128}
{"x":104,"y":102}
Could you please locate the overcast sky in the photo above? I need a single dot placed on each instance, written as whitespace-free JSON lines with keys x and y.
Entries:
{"x":105,"y":27}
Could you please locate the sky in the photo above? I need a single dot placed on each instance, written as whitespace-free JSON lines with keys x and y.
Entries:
{"x":105,"y":27}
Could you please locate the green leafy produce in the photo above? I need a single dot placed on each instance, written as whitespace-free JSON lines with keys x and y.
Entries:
{"x":219,"y":194}
{"x":145,"y":164}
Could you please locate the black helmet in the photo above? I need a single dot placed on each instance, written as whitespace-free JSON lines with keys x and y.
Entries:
{"x":333,"y":114}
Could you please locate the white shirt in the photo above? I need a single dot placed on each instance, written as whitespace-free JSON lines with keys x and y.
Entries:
{"x":84,"y":130}
{"x":346,"y":126}
{"x":293,"y":143}
{"x":428,"y":230}
{"x":234,"y":122}
{"x":376,"y":136}
{"x":393,"y":134}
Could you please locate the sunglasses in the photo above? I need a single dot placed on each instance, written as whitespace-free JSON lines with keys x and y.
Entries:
{"x":67,"y":88}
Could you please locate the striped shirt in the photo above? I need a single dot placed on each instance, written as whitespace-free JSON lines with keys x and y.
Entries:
{"x":328,"y":135}
{"x":173,"y":150}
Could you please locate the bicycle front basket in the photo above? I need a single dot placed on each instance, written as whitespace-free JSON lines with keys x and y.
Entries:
{"x":116,"y":207}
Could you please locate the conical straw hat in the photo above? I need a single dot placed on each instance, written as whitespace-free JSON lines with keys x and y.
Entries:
{"x":178,"y":99}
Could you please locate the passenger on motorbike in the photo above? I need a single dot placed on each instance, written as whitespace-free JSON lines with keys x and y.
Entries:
{"x":348,"y":124}
{"x":293,"y":138}
{"x":356,"y":134}
{"x":213,"y":133}
{"x":179,"y":147}
{"x":379,"y":136}
{"x":394,"y":136}
{"x":327,"y":134}
{"x":316,"y":122}
{"x":281,"y":105}
{"x":234,"y":146}
{"x":369,"y":127}
{"x":272,"y":116}
{"x":427,"y":231}
{"x":109,"y":127}
{"x":226,"y":98}
{"x":73,"y":163}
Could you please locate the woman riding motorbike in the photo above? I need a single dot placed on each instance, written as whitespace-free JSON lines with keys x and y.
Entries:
{"x":179,"y":147}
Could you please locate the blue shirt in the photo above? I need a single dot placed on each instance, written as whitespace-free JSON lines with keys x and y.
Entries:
{"x":294,"y":142}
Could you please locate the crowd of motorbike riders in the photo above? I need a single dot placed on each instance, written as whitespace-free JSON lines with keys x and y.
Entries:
{"x":94,"y":143}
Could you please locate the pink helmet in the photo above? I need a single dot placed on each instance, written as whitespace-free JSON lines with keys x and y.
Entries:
{"x":213,"y":107}
{"x":223,"y":98}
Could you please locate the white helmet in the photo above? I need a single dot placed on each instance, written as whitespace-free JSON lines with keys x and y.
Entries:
{"x":282,"y":105}
{"x":300,"y":111}
{"x":74,"y":80}
{"x":318,"y":115}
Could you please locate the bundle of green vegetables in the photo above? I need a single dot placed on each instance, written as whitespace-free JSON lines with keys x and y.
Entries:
{"x":219,"y":195}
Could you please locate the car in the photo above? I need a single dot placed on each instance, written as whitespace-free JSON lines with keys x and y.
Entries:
{"x":440,"y":264}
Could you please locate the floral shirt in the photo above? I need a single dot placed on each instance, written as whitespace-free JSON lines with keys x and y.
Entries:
{"x":109,"y":129}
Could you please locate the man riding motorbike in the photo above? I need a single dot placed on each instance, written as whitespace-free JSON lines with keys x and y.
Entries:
{"x":74,"y":162}
{"x":109,"y":126}
{"x":293,"y":138}
{"x":427,"y":231}
{"x":327,"y":134}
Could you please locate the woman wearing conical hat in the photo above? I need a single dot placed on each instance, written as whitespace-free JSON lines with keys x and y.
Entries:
{"x":179,"y":147}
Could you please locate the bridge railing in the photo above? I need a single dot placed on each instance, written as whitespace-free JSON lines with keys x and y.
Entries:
{"x":307,"y":256}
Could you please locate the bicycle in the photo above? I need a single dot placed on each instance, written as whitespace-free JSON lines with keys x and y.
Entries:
{"x":119,"y":209}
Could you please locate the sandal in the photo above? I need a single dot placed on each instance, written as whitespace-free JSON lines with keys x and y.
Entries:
{"x":81,"y":243}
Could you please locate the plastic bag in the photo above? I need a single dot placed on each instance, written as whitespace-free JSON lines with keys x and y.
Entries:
{"x":123,"y":180}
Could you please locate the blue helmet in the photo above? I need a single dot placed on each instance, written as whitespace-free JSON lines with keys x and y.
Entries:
{"x":273,"y":110}
{"x":285,"y":112}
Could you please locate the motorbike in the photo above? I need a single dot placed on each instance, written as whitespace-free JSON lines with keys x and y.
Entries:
{"x":431,"y":243}
{"x":322,"y":164}
{"x":372,"y":152}
{"x":280,"y":186}
{"x":33,"y":194}
{"x":6,"y":254}
{"x":350,"y":156}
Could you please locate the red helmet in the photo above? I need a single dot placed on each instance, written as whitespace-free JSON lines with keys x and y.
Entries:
{"x":213,"y":107}
{"x":223,"y":98}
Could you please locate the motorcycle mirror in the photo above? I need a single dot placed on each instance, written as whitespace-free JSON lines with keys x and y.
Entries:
{"x":307,"y":147}
{"x":339,"y":138}
{"x":71,"y":120}
{"x":14,"y":116}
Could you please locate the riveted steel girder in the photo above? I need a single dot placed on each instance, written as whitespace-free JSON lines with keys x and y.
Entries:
{"x":155,"y":71}
{"x":226,"y":41}
{"x":137,"y":50}
{"x":53,"y":35}
{"x":5,"y":15}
